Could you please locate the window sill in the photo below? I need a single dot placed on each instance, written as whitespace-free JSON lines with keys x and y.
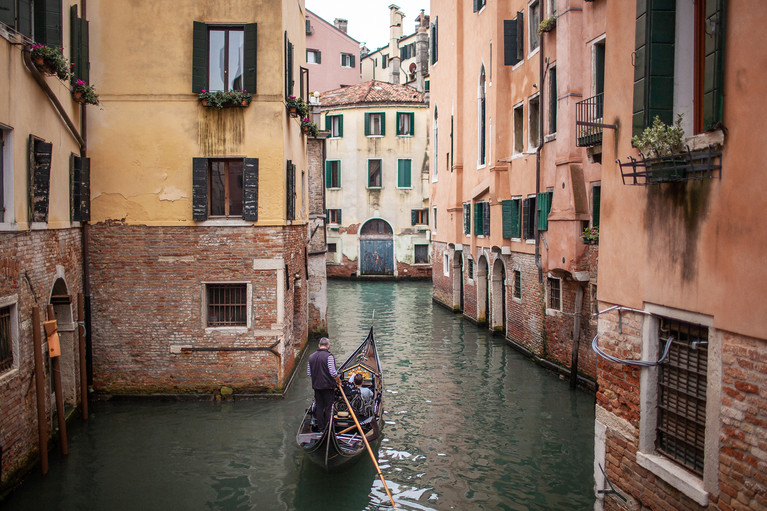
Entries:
{"x":516,"y":300}
{"x":549,"y":138}
{"x":406,"y":188}
{"x":704,"y":140}
{"x":404,"y":136}
{"x":225,"y":222}
{"x":676,"y":476}
{"x":375,"y":136}
{"x":226,"y":329}
{"x":375,"y":187}
{"x":333,"y":188}
{"x":553,"y":312}
{"x":532,"y":53}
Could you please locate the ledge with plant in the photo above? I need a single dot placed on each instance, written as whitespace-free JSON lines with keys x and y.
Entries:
{"x":222,"y":99}
{"x":547,"y":25}
{"x":308,"y":127}
{"x":50,"y":60}
{"x":590,"y":235}
{"x":84,"y":93}
{"x":297,"y":107}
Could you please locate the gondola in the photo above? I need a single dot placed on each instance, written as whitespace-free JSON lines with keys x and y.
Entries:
{"x":340,"y":444}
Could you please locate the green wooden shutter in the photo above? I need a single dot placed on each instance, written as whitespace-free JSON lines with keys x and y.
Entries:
{"x":403,"y":173}
{"x":367,"y":124}
{"x":341,"y":125}
{"x":75,"y":176}
{"x":48,"y":22}
{"x":713,"y":78}
{"x":544,"y":207}
{"x":654,"y":63}
{"x":78,"y":47}
{"x":8,"y":12}
{"x":506,"y":219}
{"x":199,"y":56}
{"x":328,"y":124}
{"x":328,"y":175}
{"x":250,"y":189}
{"x":290,"y":188}
{"x":250,"y":54}
{"x":413,"y":216}
{"x":467,"y":219}
{"x":383,"y":123}
{"x":510,"y":42}
{"x":412,"y":123}
{"x":339,"y":216}
{"x":478,"y":218}
{"x":24,"y":17}
{"x":486,"y":218}
{"x":515,"y":227}
{"x":199,"y":189}
{"x":40,"y":181}
{"x":289,"y":82}
{"x":596,"y":197}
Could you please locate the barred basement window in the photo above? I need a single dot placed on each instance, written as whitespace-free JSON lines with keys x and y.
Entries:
{"x":227,"y":304}
{"x":555,"y":294}
{"x":421,"y":254}
{"x":517,"y":284}
{"x":470,"y":269}
{"x":6,"y":339}
{"x":681,"y":428}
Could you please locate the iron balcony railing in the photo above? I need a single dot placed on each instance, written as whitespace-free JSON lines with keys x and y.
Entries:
{"x":588,"y":121}
{"x":684,"y":166}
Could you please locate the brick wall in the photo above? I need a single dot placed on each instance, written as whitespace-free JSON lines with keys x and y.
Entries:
{"x":148,"y":298}
{"x":525,"y":315}
{"x":442,"y":285}
{"x":30,"y":264}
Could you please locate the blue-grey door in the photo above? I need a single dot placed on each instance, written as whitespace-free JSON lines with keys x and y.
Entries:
{"x":377,"y":257}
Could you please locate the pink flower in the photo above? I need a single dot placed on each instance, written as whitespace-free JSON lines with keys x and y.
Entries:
{"x":204,"y":90}
{"x":80,"y":82}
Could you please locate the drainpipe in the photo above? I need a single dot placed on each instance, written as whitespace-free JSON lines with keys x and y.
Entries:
{"x":541,"y":75}
{"x":85,"y":259}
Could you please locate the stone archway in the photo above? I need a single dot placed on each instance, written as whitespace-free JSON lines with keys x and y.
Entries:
{"x":61,"y":301}
{"x":498,"y":308}
{"x":482,"y":290}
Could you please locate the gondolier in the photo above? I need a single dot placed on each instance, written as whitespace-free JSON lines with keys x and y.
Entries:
{"x":322,"y":369}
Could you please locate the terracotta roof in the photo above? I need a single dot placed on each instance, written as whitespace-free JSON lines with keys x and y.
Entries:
{"x":372,"y":92}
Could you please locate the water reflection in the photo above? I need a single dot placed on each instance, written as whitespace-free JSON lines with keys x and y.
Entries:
{"x":470,"y":424}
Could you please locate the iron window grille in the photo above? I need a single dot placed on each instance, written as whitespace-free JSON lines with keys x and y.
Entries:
{"x":555,"y":294}
{"x":6,"y":341}
{"x":682,"y":380}
{"x":685,"y":166}
{"x":517,"y":284}
{"x":227,"y":304}
{"x":470,"y":269}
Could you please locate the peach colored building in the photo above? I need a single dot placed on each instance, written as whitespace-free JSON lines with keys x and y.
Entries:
{"x":332,"y":55}
{"x":682,"y":260}
{"x":511,"y":189}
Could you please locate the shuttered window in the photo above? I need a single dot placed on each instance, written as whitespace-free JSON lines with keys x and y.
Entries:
{"x":80,"y":195}
{"x":434,"y":40}
{"x":225,"y":187}
{"x":290,"y":199}
{"x":713,"y":72}
{"x":419,"y":216}
{"x":511,"y":218}
{"x":17,"y":14}
{"x":78,"y":46}
{"x":40,"y":178}
{"x":482,"y":219}
{"x":48,"y":22}
{"x":528,"y":220}
{"x":239,"y":61}
{"x":596,"y":197}
{"x":405,"y":123}
{"x":544,"y":207}
{"x":289,"y":81}
{"x":333,"y":174}
{"x":375,"y":124}
{"x":403,"y":173}
{"x":467,"y":219}
{"x":335,"y":125}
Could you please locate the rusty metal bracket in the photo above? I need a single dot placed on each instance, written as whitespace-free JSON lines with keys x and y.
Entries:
{"x":612,"y":490}
{"x":192,"y":349}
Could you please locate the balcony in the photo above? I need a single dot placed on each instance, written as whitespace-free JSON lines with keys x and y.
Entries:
{"x":685,"y":166}
{"x":588,"y":121}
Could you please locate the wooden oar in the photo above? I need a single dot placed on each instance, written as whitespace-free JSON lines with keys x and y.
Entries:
{"x":370,"y":451}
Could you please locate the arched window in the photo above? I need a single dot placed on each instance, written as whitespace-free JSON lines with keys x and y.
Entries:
{"x":376,"y":227}
{"x":482,"y":120}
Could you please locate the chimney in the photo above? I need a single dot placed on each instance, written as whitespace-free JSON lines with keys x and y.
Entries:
{"x":422,"y":51}
{"x":341,"y":24}
{"x":395,"y":33}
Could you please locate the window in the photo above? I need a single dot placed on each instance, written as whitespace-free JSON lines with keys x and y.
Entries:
{"x":40,"y":178}
{"x":664,"y":65}
{"x":436,"y":143}
{"x":78,"y":46}
{"x":290,"y":191}
{"x":347,"y":60}
{"x":514,"y":40}
{"x":334,"y":216}
{"x":482,"y":119}
{"x":403,"y":173}
{"x":434,"y":41}
{"x":434,"y":218}
{"x":79,"y":189}
{"x":544,"y":207}
{"x":333,"y":174}
{"x":224,"y":57}
{"x":512,"y":220}
{"x":227,"y":305}
{"x":534,"y":130}
{"x":596,"y":193}
{"x":332,"y":248}
{"x":478,"y":5}
{"x":681,"y":427}
{"x":308,"y":27}
{"x":374,"y":173}
{"x":225,"y":188}
{"x":555,"y":293}
{"x":535,"y":20}
{"x":470,"y":268}
{"x":552,"y":100}
{"x":528,"y":218}
{"x":517,"y":292}
{"x":519,"y":120}
{"x":335,"y":125}
{"x":405,"y":124}
{"x":445,"y":265}
{"x":384,"y":61}
{"x":419,"y":216}
{"x":467,"y":219}
{"x":421,"y":254}
{"x":407,"y":51}
{"x":482,"y":219}
{"x":375,"y":124}
{"x":313,"y":57}
{"x":6,"y":180}
{"x":7,"y":336}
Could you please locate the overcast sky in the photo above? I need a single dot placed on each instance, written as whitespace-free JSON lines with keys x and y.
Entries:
{"x":368,"y":19}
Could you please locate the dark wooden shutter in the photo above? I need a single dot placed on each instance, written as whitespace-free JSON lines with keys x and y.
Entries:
{"x":85,"y":189}
{"x":341,"y":125}
{"x":506,"y":219}
{"x":328,"y":175}
{"x":478,"y":218}
{"x":328,"y":124}
{"x":40,"y":179}
{"x":654,"y":63}
{"x":199,"y":56}
{"x":433,"y":43}
{"x":486,"y":218}
{"x":78,"y":46}
{"x":48,"y":22}
{"x":476,"y":5}
{"x":596,"y":197}
{"x":426,"y":216}
{"x":290,"y":186}
{"x":24,"y":17}
{"x":339,"y":216}
{"x":250,"y":190}
{"x":515,"y":219}
{"x":412,"y":122}
{"x":353,"y":64}
{"x":467,"y":219}
{"x":8,"y":12}
{"x":199,"y":189}
{"x":403,"y":171}
{"x":520,"y":35}
{"x":80,"y":177}
{"x":414,"y":217}
{"x":250,"y":54}
{"x":713,"y":78}
{"x":510,"y":42}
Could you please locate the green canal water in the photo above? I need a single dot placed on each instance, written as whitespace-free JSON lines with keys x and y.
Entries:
{"x":470,"y":424}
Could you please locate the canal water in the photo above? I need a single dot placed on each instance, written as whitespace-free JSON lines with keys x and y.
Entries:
{"x":470,"y":424}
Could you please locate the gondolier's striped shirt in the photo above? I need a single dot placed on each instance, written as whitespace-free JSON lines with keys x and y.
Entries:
{"x":331,"y":367}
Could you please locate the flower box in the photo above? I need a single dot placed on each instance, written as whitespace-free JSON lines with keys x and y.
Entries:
{"x":225,"y":99}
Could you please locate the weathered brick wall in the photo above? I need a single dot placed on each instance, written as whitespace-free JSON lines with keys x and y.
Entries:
{"x":525,"y":316}
{"x":148,"y":297}
{"x":413,"y":271}
{"x":30,"y":263}
{"x":345,"y":269}
{"x":442,"y":285}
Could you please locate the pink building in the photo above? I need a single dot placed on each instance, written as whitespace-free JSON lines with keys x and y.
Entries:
{"x":332,"y":56}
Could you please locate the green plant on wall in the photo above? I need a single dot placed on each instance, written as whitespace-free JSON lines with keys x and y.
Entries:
{"x":660,"y":139}
{"x":547,"y":25}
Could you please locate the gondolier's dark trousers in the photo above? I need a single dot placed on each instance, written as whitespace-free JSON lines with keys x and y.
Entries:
{"x":324,"y":401}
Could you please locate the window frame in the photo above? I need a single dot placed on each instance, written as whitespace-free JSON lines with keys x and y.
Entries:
{"x":516,"y":292}
{"x":482,"y":129}
{"x":369,"y":123}
{"x":554,"y":294}
{"x":404,"y":173}
{"x":533,"y":120}
{"x":11,"y":302}
{"x":335,"y":124}
{"x":247,"y":305}
{"x":410,"y":131}
{"x":350,"y":58}
{"x":553,"y":104}
{"x":416,"y":246}
{"x":533,"y":39}
{"x":227,"y":183}
{"x":227,"y":29}
{"x":333,"y":216}
{"x":445,"y":265}
{"x":529,"y":218}
{"x":518,"y":138}
{"x":419,"y":217}
{"x":333,"y":175}
{"x":201,"y":192}
{"x":317,"y":54}
{"x":370,"y":175}
{"x":7,"y":218}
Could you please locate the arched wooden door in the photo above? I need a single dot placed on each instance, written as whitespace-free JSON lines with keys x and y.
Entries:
{"x":376,"y":248}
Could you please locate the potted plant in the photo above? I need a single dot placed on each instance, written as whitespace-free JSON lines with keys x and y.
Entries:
{"x":590,"y":235}
{"x":50,"y":60}
{"x":658,"y":144}
{"x":221,"y":99}
{"x":308,"y":127}
{"x":84,"y":93}
{"x":547,"y":25}
{"x":292,"y":106}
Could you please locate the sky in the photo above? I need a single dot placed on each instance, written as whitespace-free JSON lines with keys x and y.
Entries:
{"x":368,"y":19}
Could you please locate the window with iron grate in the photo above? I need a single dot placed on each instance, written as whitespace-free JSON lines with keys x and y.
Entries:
{"x":681,"y":428}
{"x":6,"y":339}
{"x":227,"y":304}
